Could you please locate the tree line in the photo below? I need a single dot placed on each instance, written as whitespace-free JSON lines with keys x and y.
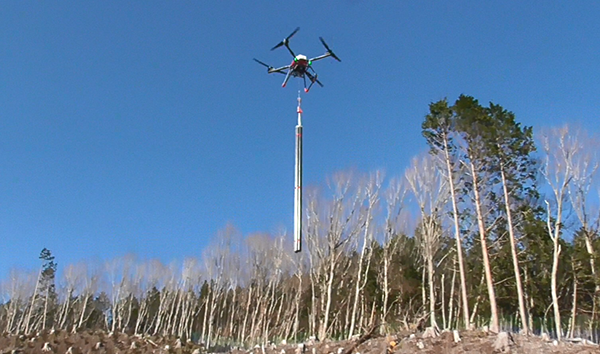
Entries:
{"x":493,"y":226}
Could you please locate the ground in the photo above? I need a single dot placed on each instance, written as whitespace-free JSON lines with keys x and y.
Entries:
{"x":60,"y":342}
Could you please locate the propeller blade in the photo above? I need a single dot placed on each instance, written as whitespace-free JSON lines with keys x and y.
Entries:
{"x":329,"y":50}
{"x":293,"y":33}
{"x":260,"y":62}
{"x":278,"y":45}
{"x":286,"y":40}
{"x":325,"y":44}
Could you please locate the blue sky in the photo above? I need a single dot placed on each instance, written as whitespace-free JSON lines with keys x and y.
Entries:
{"x":144,"y":127}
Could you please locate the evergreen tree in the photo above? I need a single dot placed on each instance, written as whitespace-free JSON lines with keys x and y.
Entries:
{"x":438,"y":129}
{"x":511,"y":147}
{"x":47,"y":287}
{"x":475,"y":126}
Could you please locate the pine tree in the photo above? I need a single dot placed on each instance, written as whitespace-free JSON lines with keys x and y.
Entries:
{"x":511,"y":147}
{"x":47,"y":287}
{"x":438,"y":129}
{"x":475,"y":126}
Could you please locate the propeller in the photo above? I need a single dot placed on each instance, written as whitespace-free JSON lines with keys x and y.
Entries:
{"x":329,"y":50}
{"x":261,"y":63}
{"x":269,"y":67}
{"x":286,"y":39}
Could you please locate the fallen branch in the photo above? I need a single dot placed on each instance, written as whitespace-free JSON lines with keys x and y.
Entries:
{"x":365,"y":337}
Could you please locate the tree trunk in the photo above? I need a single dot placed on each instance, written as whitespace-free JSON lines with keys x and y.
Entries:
{"x":443,"y":299}
{"x":494,"y":326}
{"x":359,"y":284}
{"x":246,"y":314}
{"x":573,"y":309}
{"x":386,"y":292}
{"x":513,"y":251}
{"x":325,"y":322}
{"x":557,"y":323}
{"x":28,"y":318}
{"x":556,"y":249}
{"x":590,"y":250}
{"x":451,"y":301}
{"x":430,"y":283}
{"x":459,"y":252}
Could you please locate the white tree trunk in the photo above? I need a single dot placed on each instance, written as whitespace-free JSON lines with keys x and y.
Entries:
{"x":459,"y":251}
{"x":494,"y":325}
{"x":513,"y":251}
{"x":556,"y":249}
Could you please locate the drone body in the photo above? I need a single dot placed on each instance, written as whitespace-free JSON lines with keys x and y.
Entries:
{"x":301,"y":66}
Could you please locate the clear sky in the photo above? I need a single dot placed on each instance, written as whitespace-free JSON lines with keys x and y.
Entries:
{"x":144,"y":127}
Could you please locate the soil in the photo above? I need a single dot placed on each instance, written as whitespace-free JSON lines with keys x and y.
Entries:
{"x":60,"y":342}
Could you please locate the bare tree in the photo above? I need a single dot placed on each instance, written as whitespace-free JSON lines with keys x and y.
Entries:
{"x":151,"y":272}
{"x":119,"y":272}
{"x":371,"y":187}
{"x":18,"y":288}
{"x":560,"y":149}
{"x":330,"y":227}
{"x":71,"y":278}
{"x":431,"y":193}
{"x":215,"y":263}
{"x":89,"y":288}
{"x":393,"y":225}
{"x":584,"y":167}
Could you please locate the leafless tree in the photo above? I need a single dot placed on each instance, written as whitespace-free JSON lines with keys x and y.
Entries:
{"x":371,"y":187}
{"x":560,"y":149}
{"x":330,"y":228}
{"x":71,"y":278}
{"x":119,"y":272}
{"x":19,"y":287}
{"x":216,"y":268}
{"x":150,"y":274}
{"x":585,"y":164}
{"x":394,"y":225}
{"x":431,"y":193}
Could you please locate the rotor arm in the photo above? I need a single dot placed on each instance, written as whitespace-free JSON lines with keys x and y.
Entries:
{"x":278,"y":70}
{"x":290,"y":50}
{"x":326,"y":55}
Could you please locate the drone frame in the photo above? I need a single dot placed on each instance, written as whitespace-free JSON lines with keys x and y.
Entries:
{"x":287,"y":69}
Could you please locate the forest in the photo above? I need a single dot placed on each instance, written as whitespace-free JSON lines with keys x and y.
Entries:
{"x":495,"y":226}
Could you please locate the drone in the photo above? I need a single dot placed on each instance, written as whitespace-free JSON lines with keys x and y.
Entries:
{"x":301,"y":66}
